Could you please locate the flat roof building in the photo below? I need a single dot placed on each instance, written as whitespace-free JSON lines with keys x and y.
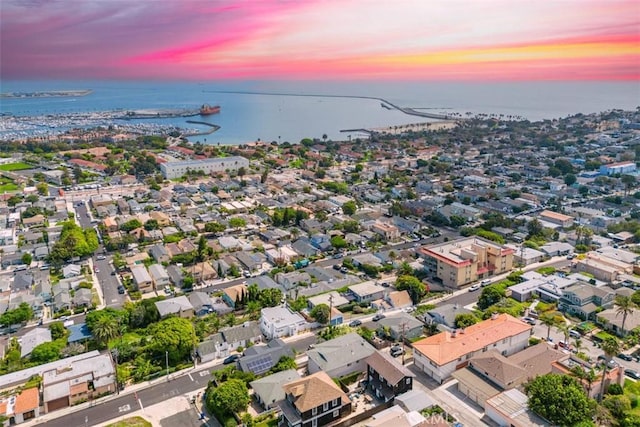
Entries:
{"x":171,"y":170}
{"x":466,"y":260}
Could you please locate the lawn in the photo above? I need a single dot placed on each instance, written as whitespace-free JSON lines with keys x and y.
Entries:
{"x":8,"y":167}
{"x":8,"y":186}
{"x":632,"y":390}
{"x":131,"y":422}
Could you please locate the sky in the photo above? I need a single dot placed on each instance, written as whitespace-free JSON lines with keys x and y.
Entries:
{"x":472,"y":40}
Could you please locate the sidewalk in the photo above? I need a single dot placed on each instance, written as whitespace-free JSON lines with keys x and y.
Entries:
{"x":140,"y":386}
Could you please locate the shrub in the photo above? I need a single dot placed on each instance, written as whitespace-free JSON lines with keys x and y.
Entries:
{"x":615,"y":389}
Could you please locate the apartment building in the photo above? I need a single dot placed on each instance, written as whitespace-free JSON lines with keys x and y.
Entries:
{"x":441,"y":354}
{"x":466,"y":260}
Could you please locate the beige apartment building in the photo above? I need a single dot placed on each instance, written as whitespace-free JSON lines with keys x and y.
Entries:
{"x":466,"y":260}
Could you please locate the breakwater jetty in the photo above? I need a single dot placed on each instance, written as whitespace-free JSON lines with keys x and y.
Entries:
{"x":383,"y":102}
{"x":47,"y":94}
{"x":212,"y":128}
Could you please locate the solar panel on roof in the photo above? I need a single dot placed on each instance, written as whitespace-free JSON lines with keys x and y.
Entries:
{"x":260,"y":365}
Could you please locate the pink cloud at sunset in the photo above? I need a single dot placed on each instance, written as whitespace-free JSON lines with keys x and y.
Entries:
{"x":321,"y":39}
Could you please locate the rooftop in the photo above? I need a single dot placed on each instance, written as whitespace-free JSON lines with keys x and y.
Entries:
{"x":447,"y":347}
{"x":314,"y":390}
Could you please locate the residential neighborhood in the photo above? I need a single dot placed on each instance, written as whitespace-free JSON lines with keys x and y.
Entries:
{"x":456,"y":275}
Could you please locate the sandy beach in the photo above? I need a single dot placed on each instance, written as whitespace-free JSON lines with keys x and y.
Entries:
{"x":417,"y":127}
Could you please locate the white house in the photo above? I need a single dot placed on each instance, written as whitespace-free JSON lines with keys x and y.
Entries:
{"x":440,"y":355}
{"x":277,"y":322}
{"x":159,"y":275}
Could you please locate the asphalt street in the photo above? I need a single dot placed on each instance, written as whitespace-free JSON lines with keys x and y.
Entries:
{"x":156,"y":393}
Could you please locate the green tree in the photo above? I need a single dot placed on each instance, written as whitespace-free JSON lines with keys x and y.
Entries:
{"x":560,"y":399}
{"x":349,"y":208}
{"x":270,"y":297}
{"x":43,"y":189}
{"x":489,"y":296}
{"x":237,"y":222}
{"x":417,"y":290}
{"x":132,"y":224}
{"x":230,"y":397}
{"x":629,"y":182}
{"x":535,"y":228}
{"x":26,"y":258}
{"x":617,"y":405}
{"x":57,"y":330}
{"x":151,"y":224}
{"x":46,"y":352}
{"x":624,"y":307}
{"x":570,"y":179}
{"x":20,"y":314}
{"x":284,"y":364}
{"x":549,"y":321}
{"x":339,"y":242}
{"x":464,"y":320}
{"x":320,"y":313}
{"x":175,"y":335}
{"x":214,"y":227}
{"x":105,"y":329}
{"x":611,"y":347}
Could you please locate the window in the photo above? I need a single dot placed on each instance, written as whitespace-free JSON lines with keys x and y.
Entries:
{"x":314,"y":411}
{"x":336,"y":413}
{"x":334,"y":403}
{"x":325,"y":406}
{"x":407,"y":380}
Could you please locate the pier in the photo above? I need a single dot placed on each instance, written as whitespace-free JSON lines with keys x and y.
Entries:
{"x":213,"y":128}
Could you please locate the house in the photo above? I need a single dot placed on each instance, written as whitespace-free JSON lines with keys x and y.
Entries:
{"x":332,"y":299}
{"x":340,"y":356}
{"x":292,"y":279}
{"x":175,"y":275}
{"x":400,"y":325}
{"x":278,"y":322}
{"x":584,"y":300}
{"x":388,"y":232}
{"x":386,"y":377}
{"x":159,"y":276}
{"x":564,"y":221}
{"x":445,"y":315}
{"x":268,"y":390}
{"x":367,"y":291}
{"x":396,"y":416}
{"x":159,"y":253}
{"x":459,"y":262}
{"x":440,"y":355}
{"x":234,"y":294}
{"x":179,"y":306}
{"x":201,"y":303}
{"x":486,"y":375}
{"x":141,"y":278}
{"x":83,"y":297}
{"x":242,"y":335}
{"x":71,"y":270}
{"x":212,"y":348}
{"x":32,"y":339}
{"x":510,"y":409}
{"x":312,"y":401}
{"x":71,"y":382}
{"x":22,"y":407}
{"x":259,"y":359}
{"x":393,"y":300}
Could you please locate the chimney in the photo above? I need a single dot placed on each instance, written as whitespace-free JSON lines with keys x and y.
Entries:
{"x":494,"y":316}
{"x":453,"y":333}
{"x":461,"y":331}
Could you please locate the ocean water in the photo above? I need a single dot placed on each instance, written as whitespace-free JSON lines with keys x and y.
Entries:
{"x":266,"y":111}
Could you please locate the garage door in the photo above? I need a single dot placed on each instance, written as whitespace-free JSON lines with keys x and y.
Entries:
{"x":63,"y":402}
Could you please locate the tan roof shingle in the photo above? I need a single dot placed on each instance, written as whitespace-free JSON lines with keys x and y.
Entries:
{"x":314,"y":390}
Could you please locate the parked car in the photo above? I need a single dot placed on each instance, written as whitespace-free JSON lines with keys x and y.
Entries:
{"x":574,"y":334}
{"x":378,"y":316}
{"x":121,"y":289}
{"x":355,"y":323}
{"x":626,"y":357}
{"x":97,"y":270}
{"x":231,"y":359}
{"x":485,"y":283}
{"x":475,"y":287}
{"x":529,"y":320}
{"x":336,"y":266}
{"x":633,"y":374}
{"x":101,"y":257}
{"x":396,"y":353}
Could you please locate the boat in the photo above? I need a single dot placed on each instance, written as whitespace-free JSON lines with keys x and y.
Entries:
{"x":206,"y":109}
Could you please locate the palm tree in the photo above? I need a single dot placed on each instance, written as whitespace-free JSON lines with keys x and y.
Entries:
{"x":548,"y":320}
{"x":577,"y":344}
{"x":611,"y":347}
{"x":625,"y":307}
{"x":105,"y":329}
{"x":563,"y":328}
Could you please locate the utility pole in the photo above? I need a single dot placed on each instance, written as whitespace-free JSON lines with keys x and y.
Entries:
{"x":166,"y":358}
{"x":330,"y":307}
{"x":403,"y":325}
{"x":114,"y":353}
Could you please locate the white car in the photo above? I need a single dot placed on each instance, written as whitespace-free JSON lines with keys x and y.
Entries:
{"x":475,"y":287}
